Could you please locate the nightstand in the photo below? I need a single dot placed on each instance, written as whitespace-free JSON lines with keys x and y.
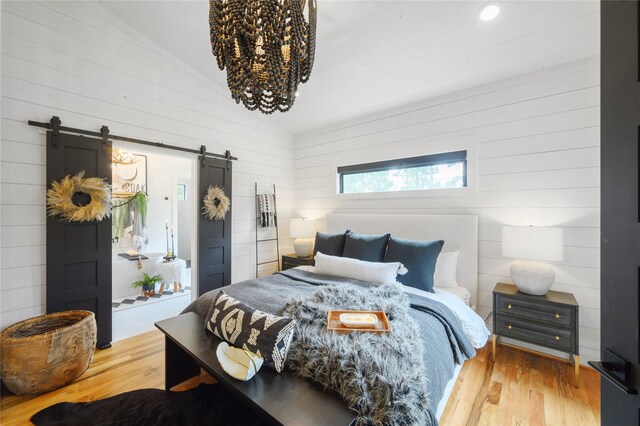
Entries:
{"x":292,"y":260}
{"x":550,"y":321}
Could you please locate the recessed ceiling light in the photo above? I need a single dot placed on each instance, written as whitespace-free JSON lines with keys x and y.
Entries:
{"x":489,"y":12}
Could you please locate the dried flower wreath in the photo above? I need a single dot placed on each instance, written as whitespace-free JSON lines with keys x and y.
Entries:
{"x":60,"y":198}
{"x":216,"y":204}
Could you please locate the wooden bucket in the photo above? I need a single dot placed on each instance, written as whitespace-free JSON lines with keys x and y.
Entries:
{"x":46,"y":352}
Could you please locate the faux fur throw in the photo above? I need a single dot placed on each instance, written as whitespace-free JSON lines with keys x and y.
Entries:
{"x":380,"y":376}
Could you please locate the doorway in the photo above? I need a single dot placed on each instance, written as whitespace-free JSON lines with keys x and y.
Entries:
{"x":154,"y":219}
{"x":80,"y":253}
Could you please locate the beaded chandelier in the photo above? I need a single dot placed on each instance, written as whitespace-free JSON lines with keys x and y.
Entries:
{"x":267,"y":48}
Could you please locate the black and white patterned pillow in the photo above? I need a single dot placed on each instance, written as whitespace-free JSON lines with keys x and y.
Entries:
{"x":266,"y":335}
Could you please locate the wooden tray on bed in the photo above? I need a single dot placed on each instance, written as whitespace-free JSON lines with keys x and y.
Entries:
{"x":334,"y":324}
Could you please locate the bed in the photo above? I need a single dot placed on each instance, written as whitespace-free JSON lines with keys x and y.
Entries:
{"x":450,"y":328}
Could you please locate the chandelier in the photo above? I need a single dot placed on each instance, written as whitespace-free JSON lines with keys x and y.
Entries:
{"x":266,"y":46}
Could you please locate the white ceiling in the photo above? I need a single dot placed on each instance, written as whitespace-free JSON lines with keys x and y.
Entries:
{"x":374,"y":55}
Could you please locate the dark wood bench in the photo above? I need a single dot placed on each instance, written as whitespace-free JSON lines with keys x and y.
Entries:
{"x":279,"y":398}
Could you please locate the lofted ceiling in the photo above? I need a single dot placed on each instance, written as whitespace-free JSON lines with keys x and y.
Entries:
{"x":376,"y":55}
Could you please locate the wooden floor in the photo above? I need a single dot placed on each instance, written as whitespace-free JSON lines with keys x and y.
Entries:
{"x":522,"y":389}
{"x":519,"y":389}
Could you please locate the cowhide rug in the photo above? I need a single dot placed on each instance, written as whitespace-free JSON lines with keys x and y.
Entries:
{"x":203,"y":405}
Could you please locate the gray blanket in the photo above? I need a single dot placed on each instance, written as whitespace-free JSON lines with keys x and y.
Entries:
{"x":270,"y":293}
{"x":443,"y":341}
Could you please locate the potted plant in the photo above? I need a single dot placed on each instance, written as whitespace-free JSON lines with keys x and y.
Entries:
{"x":148,"y":284}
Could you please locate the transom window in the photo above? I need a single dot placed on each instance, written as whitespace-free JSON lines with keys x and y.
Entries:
{"x":436,"y":171}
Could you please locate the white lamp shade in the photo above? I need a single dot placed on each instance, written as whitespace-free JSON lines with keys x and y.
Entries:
{"x":532,"y":243}
{"x":302,"y":228}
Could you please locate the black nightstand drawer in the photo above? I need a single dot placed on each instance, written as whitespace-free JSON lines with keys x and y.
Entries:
{"x":536,"y":333}
{"x":552,"y":314}
{"x":291,"y":261}
{"x":288,"y":265}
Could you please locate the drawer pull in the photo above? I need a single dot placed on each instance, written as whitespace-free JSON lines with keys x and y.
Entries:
{"x":509,"y":326}
{"x":509,"y":306}
{"x":557,"y":315}
{"x":557,"y":337}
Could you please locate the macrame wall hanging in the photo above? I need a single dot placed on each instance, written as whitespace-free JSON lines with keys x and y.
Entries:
{"x":79,"y":199}
{"x":215,"y":204}
{"x":266,"y":46}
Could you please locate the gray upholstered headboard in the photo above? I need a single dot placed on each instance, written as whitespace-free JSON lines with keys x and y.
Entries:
{"x":459,"y":232}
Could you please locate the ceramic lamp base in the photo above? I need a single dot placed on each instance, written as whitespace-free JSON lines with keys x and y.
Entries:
{"x":303,"y":246}
{"x":532,"y":277}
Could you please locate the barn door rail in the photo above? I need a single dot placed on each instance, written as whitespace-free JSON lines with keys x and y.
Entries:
{"x":55,"y":126}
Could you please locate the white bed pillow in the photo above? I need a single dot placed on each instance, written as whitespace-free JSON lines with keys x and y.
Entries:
{"x":445,"y":275}
{"x":376,"y":273}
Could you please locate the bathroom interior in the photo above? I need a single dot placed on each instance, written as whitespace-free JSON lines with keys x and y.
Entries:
{"x":153,"y":221}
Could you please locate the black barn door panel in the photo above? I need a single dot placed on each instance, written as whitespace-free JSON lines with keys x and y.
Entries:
{"x":620,"y":229}
{"x":79,"y":254}
{"x":214,"y":237}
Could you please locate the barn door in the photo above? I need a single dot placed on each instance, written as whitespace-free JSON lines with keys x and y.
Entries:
{"x":214,"y":236}
{"x":620,"y":199}
{"x":79,"y":254}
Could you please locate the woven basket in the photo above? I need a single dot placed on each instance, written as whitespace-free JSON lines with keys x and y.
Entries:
{"x":46,"y":352}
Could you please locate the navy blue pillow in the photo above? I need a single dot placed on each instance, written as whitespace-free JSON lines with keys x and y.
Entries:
{"x":370,"y":248}
{"x":419,"y":257}
{"x":329,"y":244}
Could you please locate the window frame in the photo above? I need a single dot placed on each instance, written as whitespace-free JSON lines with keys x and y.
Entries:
{"x":406,"y":163}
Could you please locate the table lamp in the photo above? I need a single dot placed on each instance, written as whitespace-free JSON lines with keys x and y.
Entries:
{"x":532,"y":245}
{"x":304,"y":232}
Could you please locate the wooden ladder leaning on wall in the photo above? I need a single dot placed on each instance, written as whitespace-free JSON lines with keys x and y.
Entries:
{"x":257,"y":224}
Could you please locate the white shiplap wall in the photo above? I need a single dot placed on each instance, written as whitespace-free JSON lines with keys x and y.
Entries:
{"x":536,"y":142}
{"x":77,"y":61}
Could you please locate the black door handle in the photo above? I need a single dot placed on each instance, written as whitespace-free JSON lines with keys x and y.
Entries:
{"x":615,"y":369}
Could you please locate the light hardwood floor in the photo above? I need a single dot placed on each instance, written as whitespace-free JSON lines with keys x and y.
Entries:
{"x":519,"y":389}
{"x":522,"y":389}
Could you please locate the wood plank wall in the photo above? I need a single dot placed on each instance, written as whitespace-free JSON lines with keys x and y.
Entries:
{"x":534,"y":143}
{"x":77,"y":61}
